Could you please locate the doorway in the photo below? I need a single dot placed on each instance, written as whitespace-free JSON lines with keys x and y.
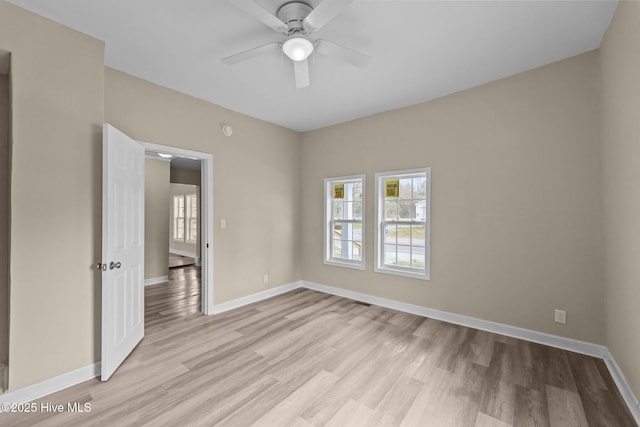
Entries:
{"x":206,"y":213}
{"x":123,"y":234}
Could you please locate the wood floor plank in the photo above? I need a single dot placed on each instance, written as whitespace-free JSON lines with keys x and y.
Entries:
{"x":485,"y":420}
{"x":565,"y":408}
{"x":530,"y":408}
{"x":291,"y":407}
{"x":396,"y":402}
{"x":352,"y":414}
{"x":305,"y":358}
{"x":431,"y":397}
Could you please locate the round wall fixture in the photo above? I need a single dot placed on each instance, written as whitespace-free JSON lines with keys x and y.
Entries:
{"x":227,"y":130}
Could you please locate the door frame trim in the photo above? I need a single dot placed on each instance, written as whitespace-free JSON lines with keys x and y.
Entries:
{"x":206,"y":189}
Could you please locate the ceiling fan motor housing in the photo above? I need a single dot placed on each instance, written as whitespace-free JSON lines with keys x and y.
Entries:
{"x":293,"y":14}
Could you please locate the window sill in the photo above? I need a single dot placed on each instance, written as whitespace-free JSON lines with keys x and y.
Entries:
{"x":353,"y":265}
{"x":403,"y":273}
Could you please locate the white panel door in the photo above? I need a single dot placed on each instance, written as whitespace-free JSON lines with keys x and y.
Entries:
{"x":122,"y":247}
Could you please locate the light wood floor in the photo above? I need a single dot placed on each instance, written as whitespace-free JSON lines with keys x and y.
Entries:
{"x":306,"y":358}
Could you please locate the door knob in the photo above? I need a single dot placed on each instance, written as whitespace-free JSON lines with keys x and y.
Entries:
{"x":113,"y":265}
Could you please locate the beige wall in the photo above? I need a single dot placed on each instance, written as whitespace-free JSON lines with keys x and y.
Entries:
{"x":515,"y":198}
{"x":156,"y":218}
{"x":57,"y":96}
{"x":620,"y":68}
{"x":256,"y":183}
{"x":185,"y":176}
{"x":5,"y":176}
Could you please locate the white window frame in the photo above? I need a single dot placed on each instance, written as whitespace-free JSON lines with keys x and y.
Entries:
{"x":177,"y":218}
{"x":328,"y":222}
{"x":379,"y":233}
{"x":189,"y":217}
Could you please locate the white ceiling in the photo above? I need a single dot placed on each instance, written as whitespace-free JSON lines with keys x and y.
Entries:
{"x":421,"y":50}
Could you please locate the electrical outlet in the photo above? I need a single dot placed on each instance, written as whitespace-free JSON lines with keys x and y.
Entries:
{"x":265,"y":279}
{"x":223,"y":223}
{"x":561,"y":316}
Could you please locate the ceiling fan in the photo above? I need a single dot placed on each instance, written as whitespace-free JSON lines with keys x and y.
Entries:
{"x":297,"y":21}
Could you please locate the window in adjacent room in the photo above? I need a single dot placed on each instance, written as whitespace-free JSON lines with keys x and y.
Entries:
{"x":192,"y":211}
{"x":178,"y":218}
{"x":344,"y":221}
{"x":185,"y":218}
{"x":403,"y":217}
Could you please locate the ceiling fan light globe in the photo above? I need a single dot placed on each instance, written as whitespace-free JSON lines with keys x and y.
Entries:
{"x":297,"y":48}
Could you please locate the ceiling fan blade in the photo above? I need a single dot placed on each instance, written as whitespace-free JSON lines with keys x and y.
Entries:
{"x":325,"y":12}
{"x":342,"y":53}
{"x":261,"y":14}
{"x":301,"y":70}
{"x":252,"y":53}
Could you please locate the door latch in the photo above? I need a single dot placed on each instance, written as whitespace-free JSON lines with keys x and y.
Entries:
{"x":113,"y":265}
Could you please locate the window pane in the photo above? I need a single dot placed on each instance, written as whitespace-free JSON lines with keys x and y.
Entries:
{"x":180,"y":228}
{"x":357,"y":232}
{"x":347,"y":210}
{"x":405,"y":188}
{"x":419,"y":188}
{"x":391,"y":210}
{"x":390,"y":234}
{"x":337,"y":231}
{"x":347,"y":241}
{"x":390,"y":254}
{"x":337,"y":249}
{"x":336,"y":209}
{"x":405,"y":208}
{"x":421,"y":210}
{"x":193,"y":206}
{"x":417,"y":259}
{"x":404,"y":234}
{"x":180,"y":206}
{"x":347,"y":231}
{"x":356,"y":191}
{"x":357,"y":251}
{"x":417,"y":235}
{"x":357,"y":210}
{"x":193,"y":229}
{"x":404,"y":256}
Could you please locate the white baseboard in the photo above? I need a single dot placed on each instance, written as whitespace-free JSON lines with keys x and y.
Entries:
{"x":563,"y":343}
{"x":182,"y":253}
{"x":625,"y":390}
{"x":236,"y":303}
{"x":51,"y":385}
{"x":156,"y":280}
{"x":457,"y":319}
{"x":69,"y":379}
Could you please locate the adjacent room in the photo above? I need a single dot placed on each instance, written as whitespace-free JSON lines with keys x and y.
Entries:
{"x":319,"y":213}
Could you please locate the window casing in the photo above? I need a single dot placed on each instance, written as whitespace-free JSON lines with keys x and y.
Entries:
{"x":403,"y":223}
{"x":344,"y":222}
